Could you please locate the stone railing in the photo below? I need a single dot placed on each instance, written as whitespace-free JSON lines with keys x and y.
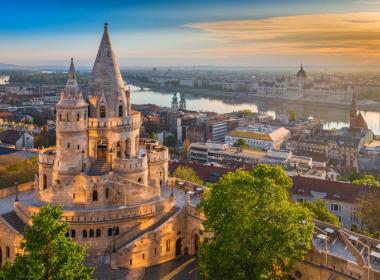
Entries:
{"x":158,"y":154}
{"x":134,"y":120}
{"x":47,"y":156}
{"x":12,"y":190}
{"x":130,"y":165}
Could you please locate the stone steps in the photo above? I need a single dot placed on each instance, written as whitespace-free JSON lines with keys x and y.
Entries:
{"x":99,"y":167}
{"x":105,"y":272}
{"x":161,"y":221}
{"x":14,"y":220}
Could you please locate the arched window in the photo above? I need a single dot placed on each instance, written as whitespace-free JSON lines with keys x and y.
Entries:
{"x":7,"y":252}
{"x":107,"y":193}
{"x":98,"y":232}
{"x":91,"y":233}
{"x":78,"y":117}
{"x":109,"y":231}
{"x":44,"y":181}
{"x":94,"y":196}
{"x":120,"y":110}
{"x":102,"y":111}
{"x":73,"y":233}
{"x":84,"y":233}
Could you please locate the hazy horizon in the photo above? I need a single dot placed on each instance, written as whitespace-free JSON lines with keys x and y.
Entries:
{"x":171,"y":33}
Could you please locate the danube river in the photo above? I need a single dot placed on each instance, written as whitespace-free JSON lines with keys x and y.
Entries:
{"x":331,"y":116}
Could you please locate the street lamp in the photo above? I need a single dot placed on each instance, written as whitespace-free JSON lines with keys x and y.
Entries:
{"x":82,"y":154}
{"x":16,"y":186}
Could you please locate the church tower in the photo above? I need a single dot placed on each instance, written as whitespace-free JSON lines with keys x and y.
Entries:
{"x":175,"y":101}
{"x":182,"y":102}
{"x":72,"y":131}
{"x":301,"y":76}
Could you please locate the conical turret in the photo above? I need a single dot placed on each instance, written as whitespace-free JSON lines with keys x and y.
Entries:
{"x":71,"y":96}
{"x":106,"y":84}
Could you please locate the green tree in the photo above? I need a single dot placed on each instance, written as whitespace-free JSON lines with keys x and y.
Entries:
{"x":240,"y":143}
{"x":47,"y":253}
{"x":246,"y":113}
{"x":153,"y":135}
{"x":320,"y":211}
{"x":188,"y":174}
{"x":368,"y":209}
{"x":292,"y":116}
{"x":258,"y":232}
{"x":185,"y":148}
{"x":170,"y":140}
{"x":368,"y":180}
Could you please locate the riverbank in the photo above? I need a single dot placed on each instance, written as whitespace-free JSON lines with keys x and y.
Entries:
{"x":367,"y":105}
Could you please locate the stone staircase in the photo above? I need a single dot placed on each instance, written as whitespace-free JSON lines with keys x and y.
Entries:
{"x":99,"y":167}
{"x":161,"y":221}
{"x":14,"y":220}
{"x":105,"y":272}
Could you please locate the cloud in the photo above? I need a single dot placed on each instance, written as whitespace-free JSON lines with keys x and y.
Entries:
{"x":338,"y":38}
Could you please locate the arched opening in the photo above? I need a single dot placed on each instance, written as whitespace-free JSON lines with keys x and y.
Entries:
{"x":127,"y":147}
{"x":117,"y":231}
{"x":110,"y":232}
{"x":7,"y":252}
{"x":139,"y":180}
{"x":196,"y":242}
{"x":178,"y":247}
{"x":98,"y":232}
{"x":102,"y":111}
{"x":120,"y":110}
{"x":118,"y":149}
{"x":94,"y":196}
{"x":101,"y":149}
{"x":91,"y":233}
{"x":84,"y":233}
{"x":73,"y":233}
{"x":44,"y":181}
{"x":107,"y":193}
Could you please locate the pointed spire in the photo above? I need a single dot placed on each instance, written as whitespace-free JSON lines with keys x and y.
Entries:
{"x":71,"y":84}
{"x":106,"y":77}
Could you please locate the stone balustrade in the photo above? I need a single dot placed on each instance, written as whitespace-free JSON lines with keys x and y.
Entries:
{"x":47,"y":156}
{"x":133,"y":120}
{"x":130,"y":165}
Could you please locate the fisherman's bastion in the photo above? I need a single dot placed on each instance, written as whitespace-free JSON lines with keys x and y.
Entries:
{"x":119,"y":199}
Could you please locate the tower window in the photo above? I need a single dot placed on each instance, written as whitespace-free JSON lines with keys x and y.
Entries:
{"x":108,"y":53}
{"x":78,"y":117}
{"x":68,"y":145}
{"x":78,"y":146}
{"x":94,"y":196}
{"x":60,"y":117}
{"x":107,"y":193}
{"x":120,"y":110}
{"x":102,"y":111}
{"x":68,"y":117}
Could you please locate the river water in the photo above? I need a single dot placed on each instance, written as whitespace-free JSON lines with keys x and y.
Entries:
{"x":332,"y":117}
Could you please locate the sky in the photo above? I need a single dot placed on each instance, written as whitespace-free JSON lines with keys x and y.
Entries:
{"x":192,"y":33}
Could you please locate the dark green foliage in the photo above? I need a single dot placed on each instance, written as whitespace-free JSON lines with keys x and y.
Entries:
{"x":48,"y":253}
{"x":321,"y":213}
{"x":258,"y":232}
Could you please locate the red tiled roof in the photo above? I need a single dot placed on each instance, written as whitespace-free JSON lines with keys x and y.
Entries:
{"x":334,"y":190}
{"x":5,"y":114}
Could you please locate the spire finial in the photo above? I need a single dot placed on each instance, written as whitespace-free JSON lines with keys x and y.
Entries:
{"x":106,"y":26}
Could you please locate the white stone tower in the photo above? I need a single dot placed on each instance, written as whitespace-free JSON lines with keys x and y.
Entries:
{"x":72,"y":131}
